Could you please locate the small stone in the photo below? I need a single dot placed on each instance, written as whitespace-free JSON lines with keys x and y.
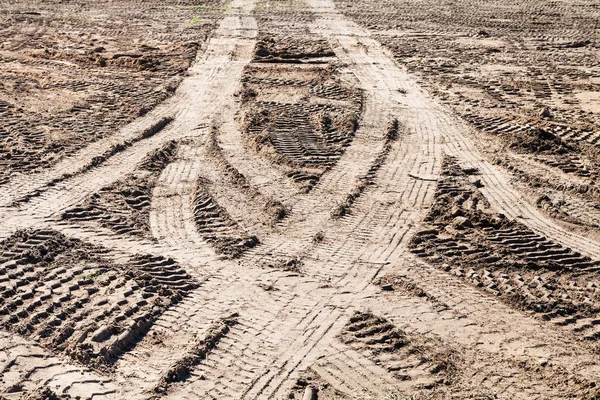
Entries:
{"x":543,"y":362}
{"x":310,"y":393}
{"x":545,"y":113}
{"x":539,"y":308}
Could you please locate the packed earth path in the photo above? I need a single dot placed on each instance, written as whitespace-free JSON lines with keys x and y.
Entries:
{"x":272,"y":199}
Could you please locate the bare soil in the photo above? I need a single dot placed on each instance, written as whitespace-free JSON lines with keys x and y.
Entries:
{"x":285,"y":199}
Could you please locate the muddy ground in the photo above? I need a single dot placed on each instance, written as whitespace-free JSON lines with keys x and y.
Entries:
{"x":299,"y":199}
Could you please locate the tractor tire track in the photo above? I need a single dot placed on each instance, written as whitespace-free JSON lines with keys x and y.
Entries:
{"x":198,"y":97}
{"x":289,"y":315}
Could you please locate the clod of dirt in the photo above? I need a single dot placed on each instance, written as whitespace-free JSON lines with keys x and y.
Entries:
{"x":545,"y":113}
{"x":45,"y":394}
{"x":318,"y":237}
{"x":277,"y":210}
{"x":16,"y":388}
{"x":293,"y":265}
{"x":461,"y":223}
{"x":278,"y":48}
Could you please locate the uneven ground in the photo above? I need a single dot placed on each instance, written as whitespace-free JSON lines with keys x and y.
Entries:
{"x":285,"y":199}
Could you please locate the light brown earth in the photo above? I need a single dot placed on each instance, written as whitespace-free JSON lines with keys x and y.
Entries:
{"x":299,"y":199}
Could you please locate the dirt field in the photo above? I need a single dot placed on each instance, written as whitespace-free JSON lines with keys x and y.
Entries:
{"x":299,"y":199}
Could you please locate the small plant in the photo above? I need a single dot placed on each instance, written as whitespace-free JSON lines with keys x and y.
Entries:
{"x":194,"y":21}
{"x":94,"y":274}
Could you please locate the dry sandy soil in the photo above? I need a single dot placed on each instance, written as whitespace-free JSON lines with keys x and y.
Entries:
{"x":299,"y":199}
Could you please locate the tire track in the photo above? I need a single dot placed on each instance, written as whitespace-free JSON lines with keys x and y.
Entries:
{"x":467,"y":321}
{"x":413,"y":196}
{"x":172,"y":216}
{"x":505,"y":198}
{"x":314,"y":209}
{"x":302,"y":353}
{"x":25,"y":366}
{"x":289,"y":320}
{"x":198,"y":98}
{"x":458,"y":142}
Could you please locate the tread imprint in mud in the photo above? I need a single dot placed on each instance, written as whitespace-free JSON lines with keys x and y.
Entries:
{"x":305,"y":135}
{"x":68,"y":297}
{"x":216,"y":226}
{"x":407,"y":358}
{"x":506,"y":258}
{"x":125,"y":206}
{"x":544,"y":141}
{"x":109,"y":73}
{"x":196,"y":353}
{"x":523,"y":74}
{"x":300,"y":108}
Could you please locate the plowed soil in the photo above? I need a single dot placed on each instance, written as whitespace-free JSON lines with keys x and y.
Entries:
{"x":285,"y":199}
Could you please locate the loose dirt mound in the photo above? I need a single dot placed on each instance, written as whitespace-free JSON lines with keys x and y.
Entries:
{"x":290,"y":48}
